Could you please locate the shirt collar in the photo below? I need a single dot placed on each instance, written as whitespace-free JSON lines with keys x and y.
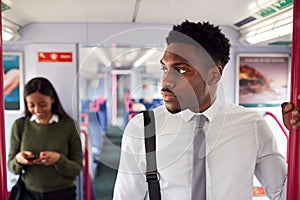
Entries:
{"x":210,"y":113}
{"x":53,"y":119}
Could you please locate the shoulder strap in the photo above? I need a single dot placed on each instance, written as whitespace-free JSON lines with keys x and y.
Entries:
{"x":21,"y":127}
{"x":152,"y":175}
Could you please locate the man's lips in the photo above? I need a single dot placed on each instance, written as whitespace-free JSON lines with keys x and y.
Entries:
{"x":167,"y":95}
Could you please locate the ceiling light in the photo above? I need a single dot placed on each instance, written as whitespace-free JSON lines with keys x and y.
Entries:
{"x":271,"y":28}
{"x":142,"y":59}
{"x":9,"y":34}
{"x":269,"y":32}
{"x":101,"y":55}
{"x":10,"y":30}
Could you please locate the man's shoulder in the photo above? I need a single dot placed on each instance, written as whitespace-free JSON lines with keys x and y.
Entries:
{"x":239,"y":108}
{"x":234,"y":109}
{"x":160,"y":110}
{"x":137,"y":121}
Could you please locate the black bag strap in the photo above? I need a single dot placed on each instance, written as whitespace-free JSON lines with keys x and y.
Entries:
{"x":21,"y":127}
{"x":21,"y":130}
{"x":152,"y":175}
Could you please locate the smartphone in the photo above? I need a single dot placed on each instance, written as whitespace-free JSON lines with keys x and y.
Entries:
{"x":33,"y":157}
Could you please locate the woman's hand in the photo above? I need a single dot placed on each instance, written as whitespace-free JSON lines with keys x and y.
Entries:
{"x":48,"y":158}
{"x":25,"y":158}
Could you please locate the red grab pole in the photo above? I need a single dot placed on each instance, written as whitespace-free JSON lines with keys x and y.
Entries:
{"x":87,"y":165}
{"x":3,"y":177}
{"x":293,"y":191}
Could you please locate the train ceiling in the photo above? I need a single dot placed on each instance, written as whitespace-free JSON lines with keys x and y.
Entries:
{"x":227,"y":12}
{"x":234,"y":13}
{"x":246,"y":16}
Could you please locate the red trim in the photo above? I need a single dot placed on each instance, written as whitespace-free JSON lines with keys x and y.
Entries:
{"x":3,"y":175}
{"x":85,"y":120}
{"x":94,"y":106}
{"x":293,"y":192}
{"x":114,"y":97}
{"x":278,"y":122}
{"x":87,"y":166}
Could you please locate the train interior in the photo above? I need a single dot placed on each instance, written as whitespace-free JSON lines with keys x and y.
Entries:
{"x":103,"y":59}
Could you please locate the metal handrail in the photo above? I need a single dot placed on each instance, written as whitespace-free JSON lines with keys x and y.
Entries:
{"x":279,"y":123}
{"x":87,"y":165}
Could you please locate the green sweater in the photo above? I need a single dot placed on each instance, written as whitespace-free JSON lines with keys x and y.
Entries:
{"x":61,"y":137}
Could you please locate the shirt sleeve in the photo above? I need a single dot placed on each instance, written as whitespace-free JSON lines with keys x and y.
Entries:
{"x":15,"y":143}
{"x":271,"y":168}
{"x":130,"y":183}
{"x":71,"y":165}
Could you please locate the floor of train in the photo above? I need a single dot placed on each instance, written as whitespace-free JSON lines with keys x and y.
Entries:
{"x":105,"y":176}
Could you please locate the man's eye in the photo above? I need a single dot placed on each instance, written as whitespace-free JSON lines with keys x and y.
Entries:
{"x":181,"y":71}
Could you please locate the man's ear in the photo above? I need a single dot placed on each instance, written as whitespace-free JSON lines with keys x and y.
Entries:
{"x":214,"y":75}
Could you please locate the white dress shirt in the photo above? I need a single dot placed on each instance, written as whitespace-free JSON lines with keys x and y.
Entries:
{"x":239,"y":144}
{"x":53,"y":119}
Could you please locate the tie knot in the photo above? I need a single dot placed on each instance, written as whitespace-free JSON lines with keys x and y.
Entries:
{"x":200,"y":120}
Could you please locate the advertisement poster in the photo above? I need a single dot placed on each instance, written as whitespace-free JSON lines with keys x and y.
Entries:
{"x":12,"y":63}
{"x":263,"y":79}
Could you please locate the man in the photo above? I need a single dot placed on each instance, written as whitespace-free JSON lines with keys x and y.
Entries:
{"x":238,"y":141}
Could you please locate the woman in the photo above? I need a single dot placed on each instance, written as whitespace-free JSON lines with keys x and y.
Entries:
{"x":49,"y":146}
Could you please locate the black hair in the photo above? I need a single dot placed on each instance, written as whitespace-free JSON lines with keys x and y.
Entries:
{"x":43,"y":86}
{"x":206,"y":35}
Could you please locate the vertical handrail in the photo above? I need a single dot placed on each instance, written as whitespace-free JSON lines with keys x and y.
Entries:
{"x":3,"y":175}
{"x":87,"y":165}
{"x":293,"y":185}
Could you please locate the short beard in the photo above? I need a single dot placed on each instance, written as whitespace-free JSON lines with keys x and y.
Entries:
{"x":174,"y":111}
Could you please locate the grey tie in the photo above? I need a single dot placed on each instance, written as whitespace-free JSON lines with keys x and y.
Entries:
{"x":198,"y":174}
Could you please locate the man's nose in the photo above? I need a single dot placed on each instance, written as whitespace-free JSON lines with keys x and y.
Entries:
{"x":169,"y":78}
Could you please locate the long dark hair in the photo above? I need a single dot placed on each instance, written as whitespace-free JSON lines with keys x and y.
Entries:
{"x":43,"y":86}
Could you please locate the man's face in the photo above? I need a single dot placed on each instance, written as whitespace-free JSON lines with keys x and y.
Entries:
{"x":184,"y":79}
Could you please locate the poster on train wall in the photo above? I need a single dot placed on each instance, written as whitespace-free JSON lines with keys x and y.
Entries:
{"x":263,"y":79}
{"x":13,"y":79}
